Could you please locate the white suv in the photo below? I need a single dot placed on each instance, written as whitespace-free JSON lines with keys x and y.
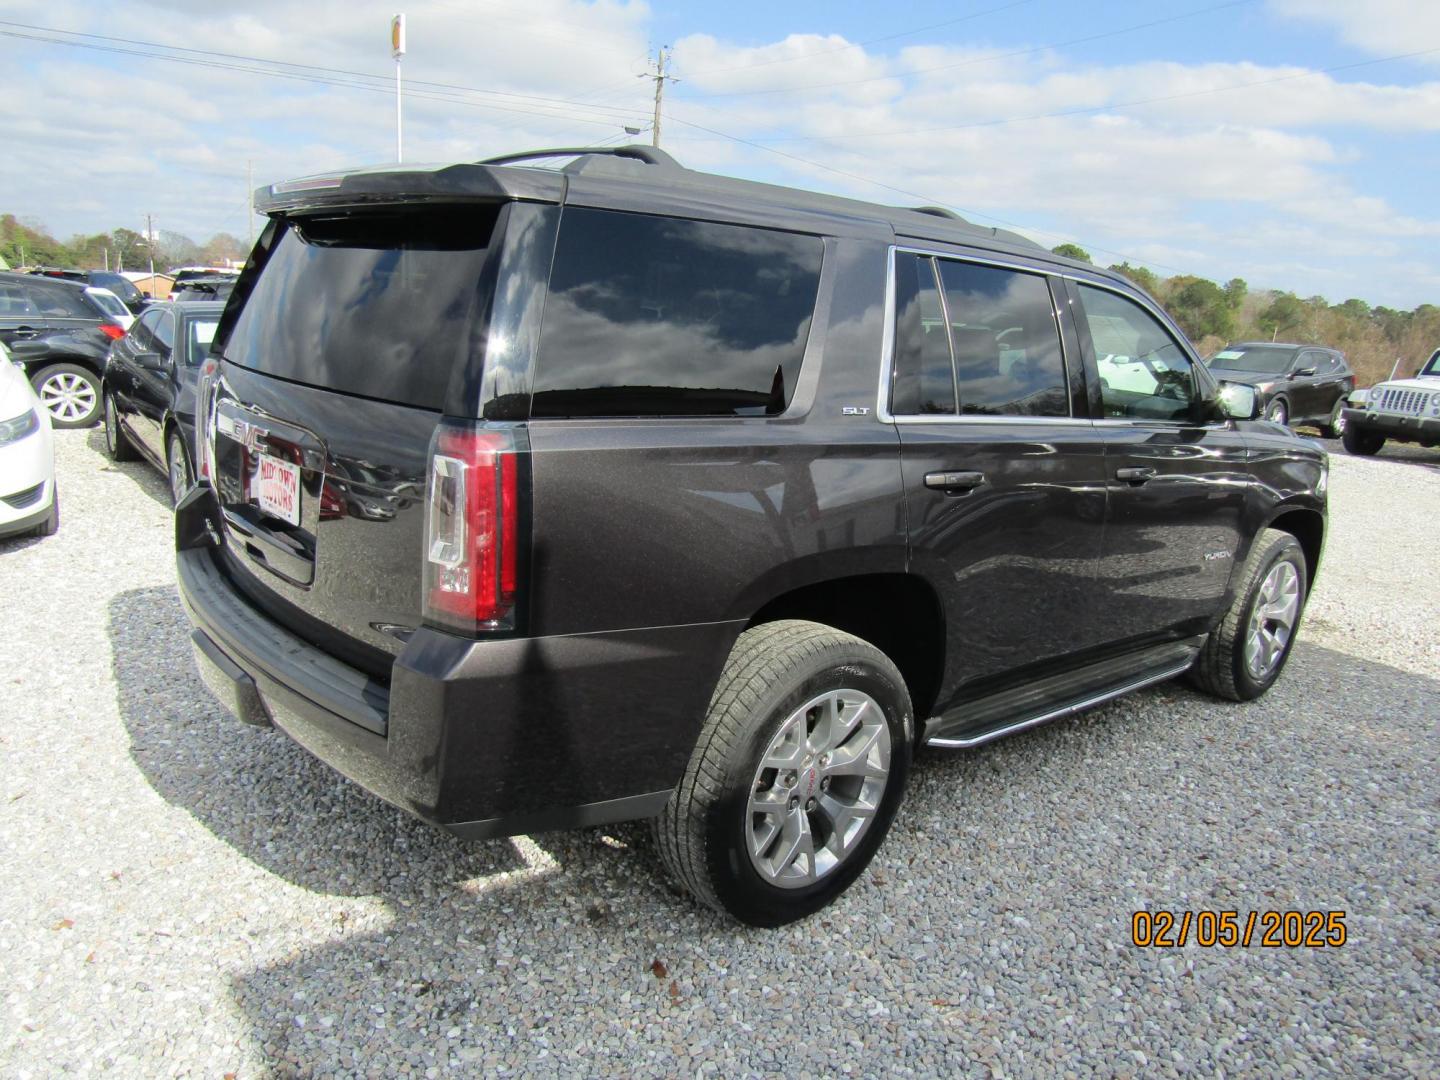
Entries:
{"x":1407,"y":410}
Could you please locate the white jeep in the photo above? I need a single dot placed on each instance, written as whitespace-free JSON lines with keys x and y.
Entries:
{"x":1407,"y":410}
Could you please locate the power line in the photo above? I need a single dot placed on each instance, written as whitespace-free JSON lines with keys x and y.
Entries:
{"x":616,"y":116}
{"x":972,"y":61}
{"x":264,"y":60}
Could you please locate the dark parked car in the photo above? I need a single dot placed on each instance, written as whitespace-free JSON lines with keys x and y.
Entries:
{"x":119,"y":284}
{"x":1297,"y":384}
{"x":61,"y":337}
{"x":150,"y":378}
{"x":544,"y":498}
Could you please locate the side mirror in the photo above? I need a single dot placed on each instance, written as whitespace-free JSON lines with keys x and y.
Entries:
{"x":1302,"y":373}
{"x":1237,"y":401}
{"x":150,"y":361}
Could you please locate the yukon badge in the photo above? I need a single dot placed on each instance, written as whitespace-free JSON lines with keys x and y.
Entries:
{"x":1212,"y":556}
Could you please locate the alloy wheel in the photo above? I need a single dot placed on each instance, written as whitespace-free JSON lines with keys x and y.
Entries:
{"x":1272,"y":622}
{"x":67,"y":397}
{"x":818,"y":788}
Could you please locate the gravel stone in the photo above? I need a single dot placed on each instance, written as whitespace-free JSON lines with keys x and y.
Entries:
{"x":185,"y":895}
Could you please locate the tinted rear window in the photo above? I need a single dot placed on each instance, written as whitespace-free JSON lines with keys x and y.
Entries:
{"x":379,"y":304}
{"x":64,"y":302}
{"x":651,"y":316}
{"x":121,"y":287}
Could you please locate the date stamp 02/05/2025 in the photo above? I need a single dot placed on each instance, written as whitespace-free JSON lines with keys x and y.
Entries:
{"x":1237,"y":929}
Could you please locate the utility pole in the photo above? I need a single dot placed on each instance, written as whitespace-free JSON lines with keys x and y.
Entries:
{"x":660,"y":80}
{"x":250,"y":205}
{"x":150,"y":246}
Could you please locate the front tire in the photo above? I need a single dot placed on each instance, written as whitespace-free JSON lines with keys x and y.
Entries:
{"x":117,"y":444}
{"x":177,"y":465}
{"x":51,"y":525}
{"x":1245,"y":654}
{"x":70,"y":394}
{"x":1362,"y":443}
{"x":798,"y":772}
{"x":1278,"y":412}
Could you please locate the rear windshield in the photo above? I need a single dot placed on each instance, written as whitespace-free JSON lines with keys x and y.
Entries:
{"x":120,"y":286}
{"x":383,"y":305}
{"x":1263,"y":360}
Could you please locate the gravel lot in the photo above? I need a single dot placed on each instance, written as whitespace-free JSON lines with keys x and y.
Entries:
{"x":185,"y":895}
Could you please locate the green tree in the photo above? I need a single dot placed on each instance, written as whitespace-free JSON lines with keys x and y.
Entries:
{"x":1235,"y":292}
{"x":1286,"y":314}
{"x":1072,"y":251}
{"x":1146,"y":279}
{"x":1201,"y":307}
{"x":29,"y":245}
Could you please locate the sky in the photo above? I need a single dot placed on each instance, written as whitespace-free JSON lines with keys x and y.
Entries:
{"x":1292,"y":143}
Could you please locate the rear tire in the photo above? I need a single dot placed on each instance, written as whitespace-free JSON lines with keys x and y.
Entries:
{"x":69,"y":393}
{"x":1246,"y":653}
{"x":769,"y":844}
{"x":117,"y":444}
{"x":1362,"y":443}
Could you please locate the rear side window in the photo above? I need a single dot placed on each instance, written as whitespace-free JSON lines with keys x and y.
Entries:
{"x":985,"y":344}
{"x":382,"y":304}
{"x":651,"y":316}
{"x":64,"y":303}
{"x":13,"y":301}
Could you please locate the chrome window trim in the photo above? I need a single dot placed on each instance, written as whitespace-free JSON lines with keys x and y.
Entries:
{"x":887,"y":345}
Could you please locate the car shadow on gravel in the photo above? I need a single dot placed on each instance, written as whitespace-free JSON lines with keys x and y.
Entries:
{"x":492,"y":952}
{"x":1393,"y":453}
{"x":147,"y":478}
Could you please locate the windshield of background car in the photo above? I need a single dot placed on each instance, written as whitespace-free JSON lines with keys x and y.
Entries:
{"x":199,"y":333}
{"x":1433,"y":367}
{"x":1262,"y":360}
{"x":383,"y":304}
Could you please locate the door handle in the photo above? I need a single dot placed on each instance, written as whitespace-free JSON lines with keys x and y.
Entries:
{"x":1135,"y":475}
{"x":954,"y":482}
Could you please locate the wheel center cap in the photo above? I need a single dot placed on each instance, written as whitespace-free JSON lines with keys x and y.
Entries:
{"x":809,"y":783}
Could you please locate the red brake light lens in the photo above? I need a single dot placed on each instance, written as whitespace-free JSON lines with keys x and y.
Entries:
{"x":472,"y":529}
{"x":113,"y":332}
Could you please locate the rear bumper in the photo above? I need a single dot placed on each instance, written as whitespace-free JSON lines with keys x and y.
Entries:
{"x":1403,"y":428}
{"x":485,"y":738}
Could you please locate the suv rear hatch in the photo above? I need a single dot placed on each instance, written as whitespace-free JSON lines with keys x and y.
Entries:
{"x":349,"y":337}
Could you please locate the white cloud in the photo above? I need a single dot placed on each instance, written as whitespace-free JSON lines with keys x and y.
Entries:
{"x":1258,"y":182}
{"x":1389,"y":27}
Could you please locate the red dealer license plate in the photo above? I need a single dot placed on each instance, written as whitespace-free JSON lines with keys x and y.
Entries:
{"x":278,"y":490}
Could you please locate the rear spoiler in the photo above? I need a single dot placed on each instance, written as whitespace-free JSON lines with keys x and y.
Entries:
{"x":392,"y":184}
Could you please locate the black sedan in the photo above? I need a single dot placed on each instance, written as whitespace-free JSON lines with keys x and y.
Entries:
{"x":150,"y":378}
{"x":1296,"y":384}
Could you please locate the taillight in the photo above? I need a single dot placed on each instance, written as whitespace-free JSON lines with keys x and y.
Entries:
{"x":113,"y":332}
{"x":202,"y":420}
{"x":472,"y":531}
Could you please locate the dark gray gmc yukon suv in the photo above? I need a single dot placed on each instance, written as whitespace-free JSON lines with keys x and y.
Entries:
{"x":537,"y":497}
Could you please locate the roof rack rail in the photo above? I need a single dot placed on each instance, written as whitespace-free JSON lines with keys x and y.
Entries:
{"x":937,"y":211}
{"x":650,"y":155}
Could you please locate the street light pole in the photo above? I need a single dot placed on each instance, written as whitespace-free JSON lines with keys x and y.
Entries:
{"x":397,"y":50}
